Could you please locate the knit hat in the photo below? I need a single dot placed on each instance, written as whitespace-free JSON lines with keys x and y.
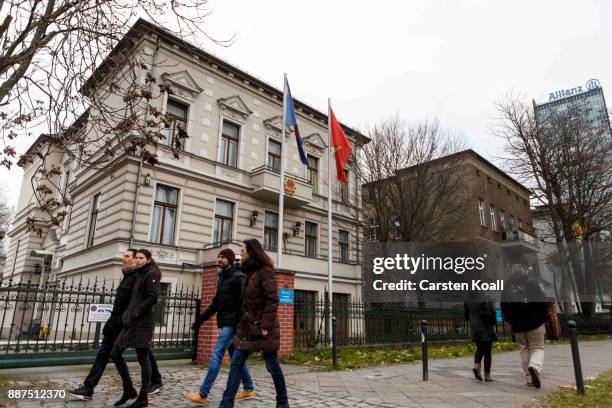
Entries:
{"x":229,"y":255}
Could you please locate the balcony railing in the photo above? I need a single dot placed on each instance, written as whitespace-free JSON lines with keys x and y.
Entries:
{"x":266,"y":186}
{"x":518,"y":235}
{"x":277,"y":171}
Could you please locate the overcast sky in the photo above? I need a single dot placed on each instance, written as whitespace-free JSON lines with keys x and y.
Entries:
{"x":450,"y":59}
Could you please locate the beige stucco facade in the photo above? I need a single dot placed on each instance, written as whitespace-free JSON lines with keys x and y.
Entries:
{"x":214,"y":93}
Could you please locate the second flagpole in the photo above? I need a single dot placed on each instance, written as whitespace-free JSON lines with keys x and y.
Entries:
{"x":281,"y":195}
{"x":329,"y":217}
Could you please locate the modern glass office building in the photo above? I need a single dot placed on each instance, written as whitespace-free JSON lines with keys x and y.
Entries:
{"x":590,"y":102}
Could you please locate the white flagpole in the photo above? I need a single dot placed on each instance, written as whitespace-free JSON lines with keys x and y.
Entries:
{"x":281,"y":195}
{"x":329,"y":216}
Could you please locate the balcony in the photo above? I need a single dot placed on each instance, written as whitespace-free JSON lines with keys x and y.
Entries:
{"x":519,"y":238}
{"x":266,"y":180}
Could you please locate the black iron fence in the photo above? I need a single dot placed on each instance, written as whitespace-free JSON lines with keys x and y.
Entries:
{"x":50,"y":324}
{"x":366,"y":324}
{"x":599,"y":323}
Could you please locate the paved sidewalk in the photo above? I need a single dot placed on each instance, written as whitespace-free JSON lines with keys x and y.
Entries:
{"x":450,"y":383}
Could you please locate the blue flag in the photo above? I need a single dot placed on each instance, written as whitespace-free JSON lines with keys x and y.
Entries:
{"x":291,"y":120}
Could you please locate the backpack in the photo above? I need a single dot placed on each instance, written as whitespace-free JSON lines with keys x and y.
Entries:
{"x":487,"y":315}
{"x":517,"y":292}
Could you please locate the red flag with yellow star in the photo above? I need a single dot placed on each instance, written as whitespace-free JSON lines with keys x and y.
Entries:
{"x":341,"y":147}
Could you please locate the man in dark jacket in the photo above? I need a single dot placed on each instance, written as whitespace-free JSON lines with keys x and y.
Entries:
{"x":226,"y":305}
{"x":111,"y":330}
{"x":524,"y":307}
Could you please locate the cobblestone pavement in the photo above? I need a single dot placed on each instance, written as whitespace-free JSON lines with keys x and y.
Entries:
{"x":450,"y":383}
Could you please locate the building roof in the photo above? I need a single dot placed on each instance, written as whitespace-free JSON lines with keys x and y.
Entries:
{"x":143,"y":26}
{"x":42,"y":138}
{"x":473,"y":154}
{"x":567,"y":99}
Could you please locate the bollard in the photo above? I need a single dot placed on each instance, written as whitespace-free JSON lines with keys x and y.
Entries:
{"x":424,"y":350}
{"x":334,"y":341}
{"x":576,"y":356}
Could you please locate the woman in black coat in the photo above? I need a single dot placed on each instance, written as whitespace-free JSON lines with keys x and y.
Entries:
{"x":138,"y":326}
{"x":480,"y":312}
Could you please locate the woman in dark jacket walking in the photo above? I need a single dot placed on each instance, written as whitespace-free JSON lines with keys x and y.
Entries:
{"x":138,"y":326}
{"x":480,"y":312}
{"x":258,"y":328}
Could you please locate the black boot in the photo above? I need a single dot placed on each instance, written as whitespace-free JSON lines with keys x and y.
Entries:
{"x":128,"y":394}
{"x":141,"y":401}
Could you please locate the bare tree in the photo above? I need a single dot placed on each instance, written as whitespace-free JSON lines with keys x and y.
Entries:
{"x":410,"y":193}
{"x":51,"y":82}
{"x":567,"y":163}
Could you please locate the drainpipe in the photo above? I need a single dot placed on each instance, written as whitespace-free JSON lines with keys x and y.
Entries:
{"x":146,"y":116}
{"x":15,"y":258}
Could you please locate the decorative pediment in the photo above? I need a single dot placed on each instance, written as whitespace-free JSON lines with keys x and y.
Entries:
{"x":234,"y":107}
{"x":314,"y":142}
{"x":183,"y":84}
{"x":274,"y":126}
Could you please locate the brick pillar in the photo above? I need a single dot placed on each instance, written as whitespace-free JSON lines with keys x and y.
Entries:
{"x":207,"y":336}
{"x":285,"y":315}
{"x":555,"y":327}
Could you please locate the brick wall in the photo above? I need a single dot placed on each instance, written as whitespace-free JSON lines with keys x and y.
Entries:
{"x":285,"y":315}
{"x":207,"y":336}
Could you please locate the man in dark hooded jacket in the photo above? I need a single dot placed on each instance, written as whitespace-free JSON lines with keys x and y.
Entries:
{"x":226,"y":305}
{"x":111,"y":330}
{"x":524,"y":306}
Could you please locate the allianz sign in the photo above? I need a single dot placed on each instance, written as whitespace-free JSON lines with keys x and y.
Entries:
{"x":589,"y":86}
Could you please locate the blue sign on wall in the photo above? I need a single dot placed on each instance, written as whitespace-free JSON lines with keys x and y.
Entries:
{"x":498,"y":316}
{"x":285,"y":296}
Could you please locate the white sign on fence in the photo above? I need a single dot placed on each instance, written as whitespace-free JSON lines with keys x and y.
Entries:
{"x":99,"y":312}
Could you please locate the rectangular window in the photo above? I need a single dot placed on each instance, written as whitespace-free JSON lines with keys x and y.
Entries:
{"x":341,"y":307}
{"x":66,"y":181}
{"x":304,"y":317}
{"x":224,"y":221}
{"x":502,"y":220}
{"x":512,"y":226}
{"x":274,"y":155}
{"x":343,"y":243}
{"x":164,"y":215}
{"x":311,"y":239}
{"x":229,"y":144}
{"x":397,"y":231}
{"x":492,"y":217}
{"x":93,"y":219}
{"x":373,"y":231}
{"x":176,"y":127}
{"x":344,"y":189}
{"x":481,"y":213}
{"x":270,"y":231}
{"x":313,"y":173}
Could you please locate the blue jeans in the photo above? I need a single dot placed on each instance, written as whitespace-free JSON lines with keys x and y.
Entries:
{"x":233,"y":382}
{"x":224,"y":342}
